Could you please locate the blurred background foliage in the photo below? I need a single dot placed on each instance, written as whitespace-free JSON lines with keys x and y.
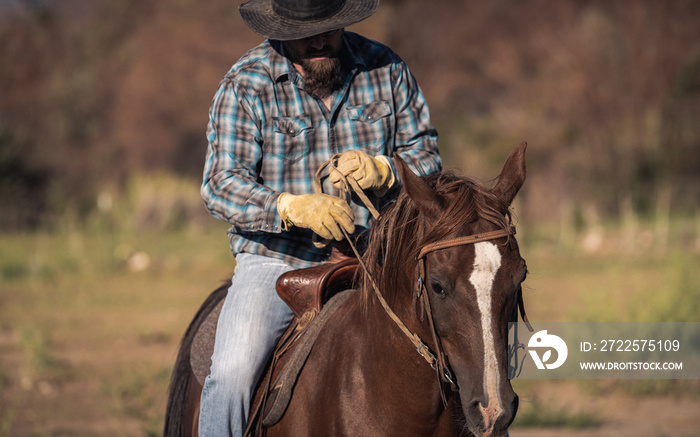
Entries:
{"x":607,"y":93}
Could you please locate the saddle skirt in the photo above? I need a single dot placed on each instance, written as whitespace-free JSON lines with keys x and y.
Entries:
{"x":275,"y":390}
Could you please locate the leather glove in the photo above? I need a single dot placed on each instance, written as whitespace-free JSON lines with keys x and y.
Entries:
{"x":322,"y":213}
{"x":371,"y":173}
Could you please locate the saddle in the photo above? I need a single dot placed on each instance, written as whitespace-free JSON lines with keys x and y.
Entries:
{"x":313,"y":294}
{"x":310,"y":294}
{"x":307,"y":289}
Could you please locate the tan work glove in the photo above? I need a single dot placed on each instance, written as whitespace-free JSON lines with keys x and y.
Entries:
{"x":322,"y":213}
{"x":371,"y":173}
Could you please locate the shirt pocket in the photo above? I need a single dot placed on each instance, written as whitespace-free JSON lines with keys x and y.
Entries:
{"x":372,"y":126}
{"x":289,"y":137}
{"x":369,"y":113}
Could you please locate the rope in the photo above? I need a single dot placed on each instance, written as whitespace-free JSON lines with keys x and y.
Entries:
{"x":349,"y":183}
{"x":421,"y":347}
{"x":437,"y":362}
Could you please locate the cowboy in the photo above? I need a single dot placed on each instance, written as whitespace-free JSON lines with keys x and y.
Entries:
{"x":309,"y":91}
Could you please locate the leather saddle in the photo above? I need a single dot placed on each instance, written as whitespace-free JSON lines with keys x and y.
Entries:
{"x":304,"y":290}
{"x":308,"y":289}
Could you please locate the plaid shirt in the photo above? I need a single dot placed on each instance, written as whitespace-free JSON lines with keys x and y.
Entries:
{"x":267,"y":136}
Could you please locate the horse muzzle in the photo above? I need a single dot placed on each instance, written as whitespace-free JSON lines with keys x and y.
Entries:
{"x":493,"y":418}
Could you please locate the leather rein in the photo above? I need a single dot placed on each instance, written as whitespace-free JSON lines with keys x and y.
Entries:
{"x":438,"y":359}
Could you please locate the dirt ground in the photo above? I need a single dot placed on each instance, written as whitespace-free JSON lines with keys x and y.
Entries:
{"x":620,"y":415}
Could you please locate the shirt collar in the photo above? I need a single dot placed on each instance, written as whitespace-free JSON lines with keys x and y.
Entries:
{"x":351,"y":49}
{"x":280,"y":66}
{"x":283,"y":69}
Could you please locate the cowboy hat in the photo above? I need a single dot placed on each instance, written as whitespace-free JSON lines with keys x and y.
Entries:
{"x":295,"y":19}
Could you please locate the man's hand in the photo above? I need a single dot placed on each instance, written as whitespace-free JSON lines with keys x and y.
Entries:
{"x":371,"y":173}
{"x":321,"y":213}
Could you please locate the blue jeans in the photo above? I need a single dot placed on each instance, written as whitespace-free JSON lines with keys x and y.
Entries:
{"x":252,"y":319}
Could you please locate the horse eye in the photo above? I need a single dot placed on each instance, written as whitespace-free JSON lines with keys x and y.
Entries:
{"x":437,"y":288}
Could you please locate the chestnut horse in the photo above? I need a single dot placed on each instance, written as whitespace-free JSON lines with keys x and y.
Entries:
{"x":443,"y":272}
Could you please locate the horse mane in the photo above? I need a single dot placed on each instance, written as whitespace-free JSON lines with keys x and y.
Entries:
{"x":397,"y":236}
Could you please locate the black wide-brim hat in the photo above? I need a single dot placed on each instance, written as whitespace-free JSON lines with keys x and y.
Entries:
{"x":295,"y":19}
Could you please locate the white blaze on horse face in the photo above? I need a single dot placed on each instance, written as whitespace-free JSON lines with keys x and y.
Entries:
{"x":487,"y":261}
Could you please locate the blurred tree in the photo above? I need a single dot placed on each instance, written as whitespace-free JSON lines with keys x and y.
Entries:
{"x":593,"y":85}
{"x":605,"y":91}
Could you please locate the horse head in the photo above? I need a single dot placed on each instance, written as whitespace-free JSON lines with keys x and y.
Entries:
{"x":473,"y":289}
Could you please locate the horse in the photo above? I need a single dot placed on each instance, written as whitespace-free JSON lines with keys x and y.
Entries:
{"x":421,"y":347}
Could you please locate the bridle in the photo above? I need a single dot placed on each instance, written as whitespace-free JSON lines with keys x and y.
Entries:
{"x":437,"y":359}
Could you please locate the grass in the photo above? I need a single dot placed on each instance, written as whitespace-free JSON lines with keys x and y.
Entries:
{"x":138,"y":393}
{"x":91,"y":314}
{"x":87,"y":340}
{"x":8,"y":418}
{"x":541,"y":414}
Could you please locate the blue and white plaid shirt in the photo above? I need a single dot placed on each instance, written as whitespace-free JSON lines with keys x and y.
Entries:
{"x":267,"y":136}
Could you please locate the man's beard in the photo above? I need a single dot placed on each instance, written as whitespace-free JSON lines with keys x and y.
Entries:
{"x":322,"y":76}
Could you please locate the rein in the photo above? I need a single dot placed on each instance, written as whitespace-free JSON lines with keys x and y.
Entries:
{"x":437,"y":359}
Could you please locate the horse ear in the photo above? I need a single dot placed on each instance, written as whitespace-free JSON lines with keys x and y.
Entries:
{"x":512,"y":176}
{"x":429,"y":202}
